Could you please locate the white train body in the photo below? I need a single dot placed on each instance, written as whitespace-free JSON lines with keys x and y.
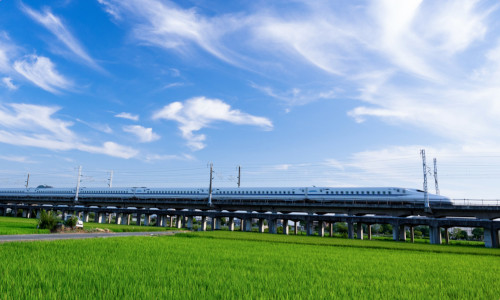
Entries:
{"x":385,"y":194}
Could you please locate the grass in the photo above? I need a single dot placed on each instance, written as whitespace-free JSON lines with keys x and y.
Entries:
{"x":225,"y":265}
{"x":10,"y":225}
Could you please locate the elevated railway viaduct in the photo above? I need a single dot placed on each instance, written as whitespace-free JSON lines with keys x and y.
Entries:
{"x":317,"y":215}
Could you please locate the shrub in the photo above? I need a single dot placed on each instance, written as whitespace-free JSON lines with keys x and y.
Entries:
{"x":47,"y":220}
{"x":71,"y":222}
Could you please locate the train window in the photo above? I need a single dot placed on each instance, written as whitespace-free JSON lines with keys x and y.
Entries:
{"x":378,"y":192}
{"x":383,"y":192}
{"x":389,"y":192}
{"x":357,"y":193}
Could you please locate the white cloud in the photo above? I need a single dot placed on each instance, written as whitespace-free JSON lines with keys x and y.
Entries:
{"x":360,"y":112}
{"x":144,"y":134}
{"x":197,"y":113}
{"x":164,"y":24}
{"x":35,"y":126}
{"x":7,"y":81}
{"x":21,"y":159}
{"x":6,"y":49}
{"x":156,"y":157}
{"x":97,"y":126}
{"x":297,"y":96}
{"x":41,"y":71}
{"x":129,"y":116}
{"x":56,"y":26}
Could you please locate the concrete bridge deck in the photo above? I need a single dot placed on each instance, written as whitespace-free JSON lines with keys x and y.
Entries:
{"x":315,"y":214}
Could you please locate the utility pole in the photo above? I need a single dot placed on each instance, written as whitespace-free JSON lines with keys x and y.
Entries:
{"x":110,"y":180}
{"x":210,"y":186}
{"x":78,"y":183}
{"x":28,"y":180}
{"x":426,"y":194}
{"x":436,"y":177}
{"x":239,"y":176}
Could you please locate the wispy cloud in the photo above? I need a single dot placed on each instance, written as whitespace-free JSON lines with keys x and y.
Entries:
{"x":6,"y":52}
{"x":129,"y":116}
{"x":297,"y":96}
{"x":166,"y":25}
{"x":97,"y":126}
{"x":41,"y":71}
{"x":157,"y":157}
{"x":35,"y":126}
{"x":7,"y":81}
{"x":21,"y":159}
{"x":145,"y":135}
{"x":54,"y":24}
{"x":200,"y":112}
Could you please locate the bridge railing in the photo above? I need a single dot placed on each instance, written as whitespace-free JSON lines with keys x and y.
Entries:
{"x":477,"y":202}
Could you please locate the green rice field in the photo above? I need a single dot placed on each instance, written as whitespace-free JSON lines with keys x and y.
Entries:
{"x":236,"y":265}
{"x":10,"y":225}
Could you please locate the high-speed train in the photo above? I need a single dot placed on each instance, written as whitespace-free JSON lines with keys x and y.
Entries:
{"x":386,"y":194}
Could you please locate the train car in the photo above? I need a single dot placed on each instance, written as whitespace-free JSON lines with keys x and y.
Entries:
{"x":308,"y":194}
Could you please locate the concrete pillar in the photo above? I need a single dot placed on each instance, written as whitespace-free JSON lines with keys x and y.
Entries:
{"x":164,"y":221}
{"x":248,"y":225}
{"x":331,"y":229}
{"x":178,"y":221}
{"x":296,"y":227}
{"x":359,"y":231}
{"x":25,"y":213}
{"x":242,"y":224}
{"x":309,"y":228}
{"x":124,"y":219}
{"x":369,"y":228}
{"x":159,"y":221}
{"x":39,"y":214}
{"x":102,"y":217}
{"x":214,"y":220}
{"x":118,"y":219}
{"x":491,"y":238}
{"x":286,"y":229}
{"x":447,"y":236}
{"x":402,"y":233}
{"x":147,"y":219}
{"x":395,"y":232}
{"x":190,"y":223}
{"x":435,"y":235}
{"x":350,"y":230}
{"x":28,"y":213}
{"x":272,"y":226}
{"x":171,"y":222}
{"x":321,"y":228}
{"x":109,"y":217}
{"x":139,"y":216}
{"x":412,"y":234}
{"x":261,"y":225}
{"x":64,"y":214}
{"x":203,"y":226}
{"x":217,"y":223}
{"x":231,"y":224}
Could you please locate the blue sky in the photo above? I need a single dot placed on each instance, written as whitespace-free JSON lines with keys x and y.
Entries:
{"x":336,"y":93}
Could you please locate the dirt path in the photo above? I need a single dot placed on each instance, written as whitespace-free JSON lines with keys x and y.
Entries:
{"x":66,"y":236}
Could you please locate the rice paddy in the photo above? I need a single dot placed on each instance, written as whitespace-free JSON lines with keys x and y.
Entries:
{"x":227,"y":265}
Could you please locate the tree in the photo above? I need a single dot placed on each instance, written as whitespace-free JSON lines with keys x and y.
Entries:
{"x":71,"y":222}
{"x":48,"y":220}
{"x":478,"y":233}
